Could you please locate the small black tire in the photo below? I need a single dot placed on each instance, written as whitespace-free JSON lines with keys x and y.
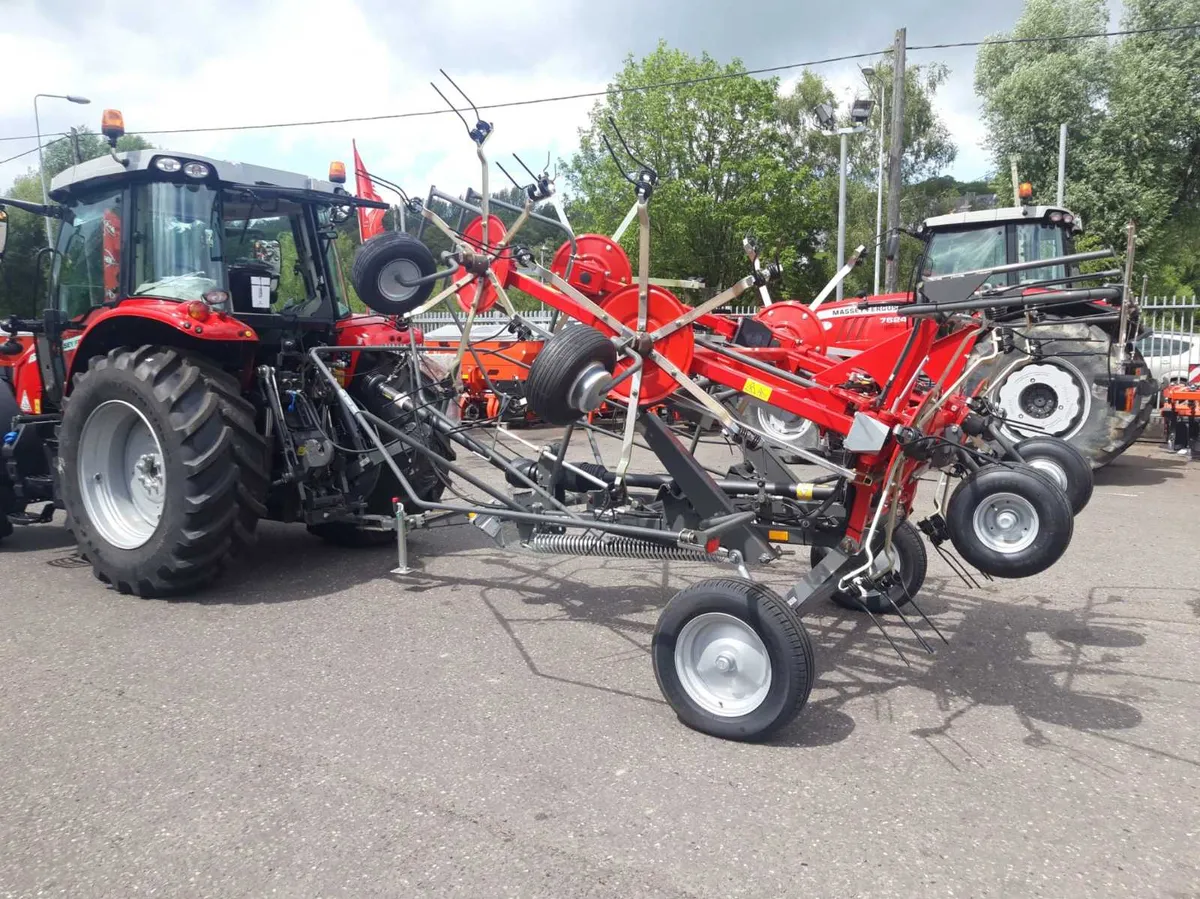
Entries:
{"x":1065,"y":465}
{"x":747,"y":609}
{"x":912,"y":562}
{"x":204,"y":516}
{"x":1005,"y":522}
{"x":382,"y":262}
{"x":560,"y":362}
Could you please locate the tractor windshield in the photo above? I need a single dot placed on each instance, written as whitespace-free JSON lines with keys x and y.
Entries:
{"x":951,"y":252}
{"x":177,"y":252}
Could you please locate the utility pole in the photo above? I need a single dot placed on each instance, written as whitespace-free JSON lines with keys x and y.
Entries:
{"x":1062,"y":163}
{"x":896,"y":155}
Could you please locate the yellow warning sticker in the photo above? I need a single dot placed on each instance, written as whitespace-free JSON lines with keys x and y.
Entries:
{"x":781,"y":536}
{"x":804,"y":491}
{"x":756,"y":389}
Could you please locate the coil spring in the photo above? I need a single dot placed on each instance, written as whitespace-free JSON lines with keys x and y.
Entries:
{"x":616,"y":547}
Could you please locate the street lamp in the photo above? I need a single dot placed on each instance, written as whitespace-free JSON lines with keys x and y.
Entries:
{"x":871,"y":75}
{"x":71,"y":98}
{"x":860,"y":112}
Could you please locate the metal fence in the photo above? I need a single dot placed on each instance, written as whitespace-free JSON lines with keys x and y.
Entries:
{"x":1171,"y":342}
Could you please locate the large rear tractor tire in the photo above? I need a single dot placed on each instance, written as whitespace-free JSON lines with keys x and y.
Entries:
{"x":910,"y":562}
{"x":1064,"y":392}
{"x":163,"y":473}
{"x":732,"y":659}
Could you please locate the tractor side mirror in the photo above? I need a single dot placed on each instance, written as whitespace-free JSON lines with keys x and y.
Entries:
{"x":339,"y":214}
{"x":3,"y":231}
{"x":893,"y":246}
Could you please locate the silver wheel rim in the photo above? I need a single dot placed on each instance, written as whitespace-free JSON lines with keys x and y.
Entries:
{"x":1006,"y":523}
{"x":1051,"y":468}
{"x":391,"y":275}
{"x":723,"y":664}
{"x":121,"y":474}
{"x":1054,"y":398}
{"x":785,"y":426}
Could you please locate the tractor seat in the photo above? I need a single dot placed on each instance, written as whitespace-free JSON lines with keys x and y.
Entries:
{"x":252,"y":287}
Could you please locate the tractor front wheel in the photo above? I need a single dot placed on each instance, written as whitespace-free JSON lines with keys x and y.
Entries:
{"x":162,"y":471}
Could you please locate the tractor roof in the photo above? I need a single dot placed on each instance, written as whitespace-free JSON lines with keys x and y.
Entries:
{"x":105,"y":168}
{"x":1000,"y":216}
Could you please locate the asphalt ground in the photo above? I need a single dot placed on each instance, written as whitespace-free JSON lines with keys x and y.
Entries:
{"x":490,"y":726}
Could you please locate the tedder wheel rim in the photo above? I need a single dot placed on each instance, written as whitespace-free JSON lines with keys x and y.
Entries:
{"x":723,"y":664}
{"x":1006,"y":523}
{"x":785,"y":426}
{"x":392,"y":276}
{"x":1052,"y":398}
{"x":122,"y":478}
{"x":1052,"y":468}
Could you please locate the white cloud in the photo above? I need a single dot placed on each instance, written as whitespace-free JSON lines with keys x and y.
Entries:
{"x":297,"y":61}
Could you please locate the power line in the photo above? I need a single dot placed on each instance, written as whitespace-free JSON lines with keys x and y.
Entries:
{"x":645,"y":87}
{"x":1054,"y":38}
{"x":32,"y":150}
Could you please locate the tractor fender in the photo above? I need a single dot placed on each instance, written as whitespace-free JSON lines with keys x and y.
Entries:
{"x":373,"y":330}
{"x":221,"y":337}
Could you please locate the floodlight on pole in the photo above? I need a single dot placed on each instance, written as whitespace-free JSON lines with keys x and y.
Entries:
{"x":860,"y":111}
{"x":71,"y":98}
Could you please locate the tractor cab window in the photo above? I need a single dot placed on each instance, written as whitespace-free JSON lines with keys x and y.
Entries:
{"x":177,"y":241}
{"x":950,"y":252}
{"x":269,"y":256}
{"x":89,"y":255}
{"x":1039,"y":241}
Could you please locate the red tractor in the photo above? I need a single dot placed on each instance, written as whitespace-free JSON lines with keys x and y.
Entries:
{"x":1074,"y":373}
{"x":163,"y":402}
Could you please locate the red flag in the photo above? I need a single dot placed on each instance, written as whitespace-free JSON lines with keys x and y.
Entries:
{"x":370,"y":221}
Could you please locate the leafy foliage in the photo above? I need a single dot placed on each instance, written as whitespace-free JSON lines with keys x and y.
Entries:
{"x":1132,"y":111}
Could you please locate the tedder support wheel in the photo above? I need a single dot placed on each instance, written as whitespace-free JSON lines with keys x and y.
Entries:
{"x":163,"y":473}
{"x":911,"y":562}
{"x":732,"y":659}
{"x":1003,"y":520}
{"x":385,"y":261}
{"x":1063,"y":393}
{"x":1064,"y":464}
{"x":570,"y":373}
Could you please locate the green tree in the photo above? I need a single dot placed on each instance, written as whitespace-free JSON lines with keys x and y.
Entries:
{"x":726,"y":168}
{"x":22,"y":286}
{"x":1133,"y":115}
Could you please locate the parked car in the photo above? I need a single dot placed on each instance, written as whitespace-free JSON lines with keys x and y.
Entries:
{"x":1171,"y":357}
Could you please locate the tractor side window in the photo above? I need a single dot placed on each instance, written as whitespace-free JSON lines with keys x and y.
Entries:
{"x":89,"y":260}
{"x":271,"y":268}
{"x":951,"y":252}
{"x":1038,"y":241}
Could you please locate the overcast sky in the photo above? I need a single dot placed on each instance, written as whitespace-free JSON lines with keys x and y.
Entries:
{"x":233,"y":62}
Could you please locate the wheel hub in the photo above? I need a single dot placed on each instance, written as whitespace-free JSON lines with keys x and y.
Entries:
{"x":661,"y":308}
{"x":122,"y":478}
{"x":723,"y":664}
{"x":1006,"y":523}
{"x":1052,"y":397}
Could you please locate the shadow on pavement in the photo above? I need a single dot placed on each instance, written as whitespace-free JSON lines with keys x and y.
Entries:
{"x":1141,"y":471}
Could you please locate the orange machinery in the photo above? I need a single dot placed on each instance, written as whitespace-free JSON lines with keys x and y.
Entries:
{"x":1181,"y":417}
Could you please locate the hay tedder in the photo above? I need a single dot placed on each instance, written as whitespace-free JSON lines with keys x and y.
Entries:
{"x":203,"y":389}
